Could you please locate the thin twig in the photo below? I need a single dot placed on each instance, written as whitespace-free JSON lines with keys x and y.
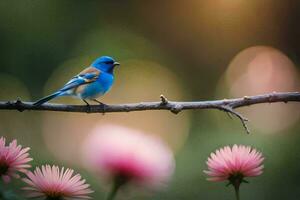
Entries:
{"x":243,"y":120}
{"x":227,"y":105}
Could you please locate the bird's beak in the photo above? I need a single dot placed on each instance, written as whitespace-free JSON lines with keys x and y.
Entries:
{"x":116,"y":64}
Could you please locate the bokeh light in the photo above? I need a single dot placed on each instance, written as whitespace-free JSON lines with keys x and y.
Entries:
{"x":13,"y":88}
{"x":259,"y":70}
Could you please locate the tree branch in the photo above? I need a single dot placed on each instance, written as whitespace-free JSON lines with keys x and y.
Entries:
{"x":227,"y":105}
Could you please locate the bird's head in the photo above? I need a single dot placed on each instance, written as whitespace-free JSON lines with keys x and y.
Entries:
{"x":105,"y":64}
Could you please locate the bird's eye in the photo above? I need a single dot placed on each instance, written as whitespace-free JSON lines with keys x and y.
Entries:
{"x":108,"y":62}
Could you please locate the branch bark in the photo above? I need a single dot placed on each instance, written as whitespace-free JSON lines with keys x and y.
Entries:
{"x":227,"y":105}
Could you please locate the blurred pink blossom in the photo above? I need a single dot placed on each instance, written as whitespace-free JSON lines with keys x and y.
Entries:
{"x":13,"y":159}
{"x":234,"y":163}
{"x":53,"y":183}
{"x":116,"y":151}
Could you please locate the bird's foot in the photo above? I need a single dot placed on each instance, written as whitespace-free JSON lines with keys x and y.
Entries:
{"x":102,"y":105}
{"x":88,"y":106}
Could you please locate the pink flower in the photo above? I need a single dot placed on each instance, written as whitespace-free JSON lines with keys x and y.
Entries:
{"x":53,"y":183}
{"x":13,"y":159}
{"x":234,"y":163}
{"x":129,"y":155}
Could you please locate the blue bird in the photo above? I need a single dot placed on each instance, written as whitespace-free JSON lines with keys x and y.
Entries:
{"x":92,"y":82}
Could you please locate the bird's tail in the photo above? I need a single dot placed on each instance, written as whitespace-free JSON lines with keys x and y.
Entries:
{"x":47,"y":98}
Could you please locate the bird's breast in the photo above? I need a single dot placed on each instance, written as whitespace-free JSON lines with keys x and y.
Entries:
{"x":106,"y":80}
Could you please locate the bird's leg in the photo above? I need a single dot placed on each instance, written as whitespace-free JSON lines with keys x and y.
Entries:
{"x":87,"y":105}
{"x":98,"y":101}
{"x":102,"y":104}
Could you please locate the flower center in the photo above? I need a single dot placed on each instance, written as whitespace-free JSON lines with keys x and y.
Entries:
{"x":3,"y":168}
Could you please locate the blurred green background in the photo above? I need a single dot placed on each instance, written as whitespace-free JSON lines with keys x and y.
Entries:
{"x":186,"y":50}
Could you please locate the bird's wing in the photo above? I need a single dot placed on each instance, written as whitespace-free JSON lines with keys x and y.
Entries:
{"x":87,"y":76}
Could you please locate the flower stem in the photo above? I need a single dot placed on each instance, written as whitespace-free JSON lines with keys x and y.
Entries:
{"x":113,"y":192}
{"x":237,"y":192}
{"x":118,"y":182}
